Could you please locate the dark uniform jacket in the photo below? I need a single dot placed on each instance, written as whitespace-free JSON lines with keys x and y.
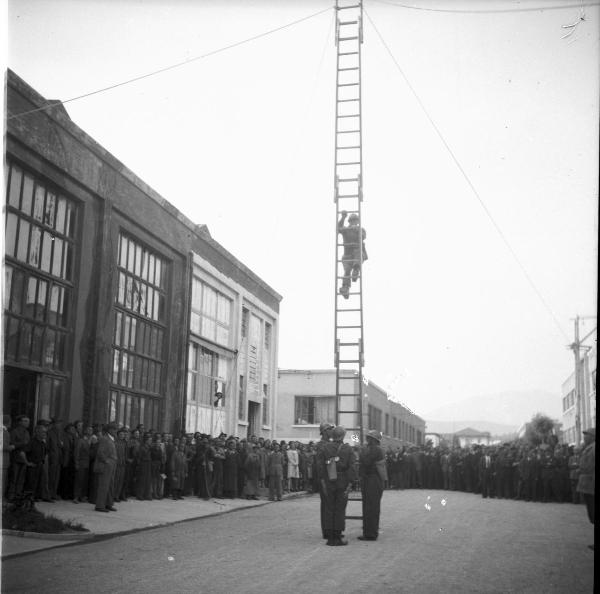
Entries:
{"x":344,"y":466}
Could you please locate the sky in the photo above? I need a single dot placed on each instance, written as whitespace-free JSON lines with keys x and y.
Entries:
{"x":480,"y":162}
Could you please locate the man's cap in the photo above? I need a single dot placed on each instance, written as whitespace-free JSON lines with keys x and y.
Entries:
{"x":591,"y":431}
{"x":338,"y":433}
{"x":325,"y":427}
{"x":376,"y":435}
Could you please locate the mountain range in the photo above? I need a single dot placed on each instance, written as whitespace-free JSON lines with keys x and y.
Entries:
{"x":498,"y":413}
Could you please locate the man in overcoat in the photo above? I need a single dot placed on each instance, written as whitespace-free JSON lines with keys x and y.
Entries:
{"x":587,"y":473}
{"x":372,"y":485}
{"x":325,"y":430}
{"x":104,"y":469}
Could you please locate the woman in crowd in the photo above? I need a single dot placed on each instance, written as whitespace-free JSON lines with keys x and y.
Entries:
{"x":178,"y":467}
{"x":230,"y":470}
{"x":157,"y":463}
{"x":143,"y":487}
{"x":293,"y":470}
{"x":81,"y":459}
{"x":252,"y":470}
{"x":275,"y":473}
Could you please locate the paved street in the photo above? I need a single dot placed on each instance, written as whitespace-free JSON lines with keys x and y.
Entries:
{"x":462,"y":543}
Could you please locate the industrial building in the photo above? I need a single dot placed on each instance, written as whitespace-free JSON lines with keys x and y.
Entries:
{"x":117,"y":307}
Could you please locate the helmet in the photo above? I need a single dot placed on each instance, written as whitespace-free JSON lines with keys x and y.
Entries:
{"x":376,"y":435}
{"x":353,"y":217}
{"x":324,"y":427}
{"x":338,"y":433}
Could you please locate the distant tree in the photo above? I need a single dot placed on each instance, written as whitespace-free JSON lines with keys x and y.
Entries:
{"x":540,"y":430}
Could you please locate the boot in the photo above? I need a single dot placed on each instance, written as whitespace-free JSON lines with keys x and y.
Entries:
{"x":338,"y":540}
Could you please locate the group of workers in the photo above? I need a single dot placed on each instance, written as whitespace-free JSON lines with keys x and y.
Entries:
{"x":336,"y":472}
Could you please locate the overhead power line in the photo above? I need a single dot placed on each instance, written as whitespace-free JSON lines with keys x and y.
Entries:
{"x":539,"y":8}
{"x":467,"y":179}
{"x":172,"y":66}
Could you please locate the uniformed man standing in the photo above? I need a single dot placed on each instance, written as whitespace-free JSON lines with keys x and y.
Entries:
{"x":325,"y":430}
{"x":337,"y":468}
{"x":587,"y":473}
{"x":372,"y":485}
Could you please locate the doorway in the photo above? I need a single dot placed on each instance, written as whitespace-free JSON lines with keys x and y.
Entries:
{"x":253,"y":418}
{"x":19,"y":392}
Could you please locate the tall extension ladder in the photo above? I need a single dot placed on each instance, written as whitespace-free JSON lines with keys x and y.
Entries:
{"x":349,"y":345}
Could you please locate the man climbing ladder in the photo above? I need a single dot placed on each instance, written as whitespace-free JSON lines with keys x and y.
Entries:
{"x":351,"y":258}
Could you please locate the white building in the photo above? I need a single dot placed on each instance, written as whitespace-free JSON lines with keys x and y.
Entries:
{"x":232,"y":354}
{"x":587,"y":399}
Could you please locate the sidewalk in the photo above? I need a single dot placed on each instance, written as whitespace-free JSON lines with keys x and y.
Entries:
{"x":131,"y":516}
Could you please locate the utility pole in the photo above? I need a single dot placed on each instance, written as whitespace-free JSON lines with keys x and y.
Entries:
{"x":576,"y":347}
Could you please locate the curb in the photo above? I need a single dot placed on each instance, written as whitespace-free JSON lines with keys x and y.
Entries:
{"x":49,"y":535}
{"x":69,"y":538}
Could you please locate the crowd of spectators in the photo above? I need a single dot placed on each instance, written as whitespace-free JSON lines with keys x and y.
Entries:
{"x":545,"y":473}
{"x":58,"y":461}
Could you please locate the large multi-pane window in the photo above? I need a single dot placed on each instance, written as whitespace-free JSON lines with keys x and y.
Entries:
{"x":137,"y":353}
{"x":139,"y":332}
{"x":142,"y":280}
{"x":208,"y":373}
{"x":374,"y":418}
{"x":313,"y":410}
{"x":207,"y":383}
{"x":569,"y":400}
{"x":211,"y":313}
{"x":130,"y":409}
{"x":40,"y":249}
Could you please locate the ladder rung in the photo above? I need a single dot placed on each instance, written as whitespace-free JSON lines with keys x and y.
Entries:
{"x":347,"y":53}
{"x":349,"y":6}
{"x":348,"y":179}
{"x":349,"y":344}
{"x":352,"y":115}
{"x":348,"y":361}
{"x":347,"y":100}
{"x":348,"y":23}
{"x":354,"y":517}
{"x":340,"y":148}
{"x":349,"y":163}
{"x":348,"y":68}
{"x":348,"y":196}
{"x":353,"y":309}
{"x":354,"y":84}
{"x":348,"y":131}
{"x":359,"y":326}
{"x":348,"y":38}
